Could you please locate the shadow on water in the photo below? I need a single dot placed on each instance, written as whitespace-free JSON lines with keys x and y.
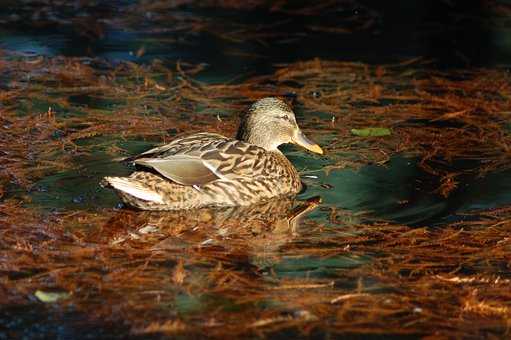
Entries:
{"x":42,"y":322}
{"x":453,"y":33}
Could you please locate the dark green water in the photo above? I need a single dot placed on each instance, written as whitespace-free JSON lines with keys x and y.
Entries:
{"x":399,"y":191}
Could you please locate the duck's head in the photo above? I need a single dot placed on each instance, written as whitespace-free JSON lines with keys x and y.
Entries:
{"x":269,"y":123}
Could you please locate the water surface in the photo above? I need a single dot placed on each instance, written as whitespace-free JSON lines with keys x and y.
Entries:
{"x":241,"y":263}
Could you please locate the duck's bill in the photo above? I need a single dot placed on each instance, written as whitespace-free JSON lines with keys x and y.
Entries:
{"x":303,"y":141}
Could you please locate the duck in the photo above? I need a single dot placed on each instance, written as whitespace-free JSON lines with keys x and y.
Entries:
{"x":210,"y":170}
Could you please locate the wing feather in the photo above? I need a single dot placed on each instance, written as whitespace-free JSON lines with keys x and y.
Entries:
{"x":202,"y":158}
{"x":181,"y":169}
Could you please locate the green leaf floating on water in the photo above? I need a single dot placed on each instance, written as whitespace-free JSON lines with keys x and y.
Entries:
{"x":371,"y":132}
{"x":49,"y":297}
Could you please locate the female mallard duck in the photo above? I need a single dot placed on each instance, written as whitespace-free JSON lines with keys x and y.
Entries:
{"x":208,"y":169}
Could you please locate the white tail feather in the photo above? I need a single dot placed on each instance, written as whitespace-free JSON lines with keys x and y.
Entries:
{"x":135,"y":189}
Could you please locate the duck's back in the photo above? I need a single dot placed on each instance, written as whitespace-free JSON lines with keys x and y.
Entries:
{"x":206,"y":170}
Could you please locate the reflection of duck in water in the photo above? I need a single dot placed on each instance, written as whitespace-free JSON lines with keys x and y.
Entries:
{"x":210,"y":170}
{"x":254,"y":229}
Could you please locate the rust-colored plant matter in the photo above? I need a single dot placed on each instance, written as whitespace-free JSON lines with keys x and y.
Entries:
{"x":147,"y":266}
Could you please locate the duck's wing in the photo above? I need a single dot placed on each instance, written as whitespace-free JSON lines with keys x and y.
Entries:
{"x":188,"y":144}
{"x":181,"y":169}
{"x":202,"y":158}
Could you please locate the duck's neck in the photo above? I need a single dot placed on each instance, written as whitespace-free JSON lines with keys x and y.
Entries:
{"x":257,"y":135}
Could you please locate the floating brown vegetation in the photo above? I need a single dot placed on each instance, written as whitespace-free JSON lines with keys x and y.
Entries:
{"x":266,"y":270}
{"x":51,"y":105}
{"x":141,"y":101}
{"x":174,"y":273}
{"x":437,"y":116}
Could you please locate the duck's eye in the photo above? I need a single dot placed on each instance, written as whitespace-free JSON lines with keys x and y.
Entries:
{"x":284,"y":117}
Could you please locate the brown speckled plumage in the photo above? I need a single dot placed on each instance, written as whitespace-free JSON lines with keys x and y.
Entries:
{"x":207,"y":169}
